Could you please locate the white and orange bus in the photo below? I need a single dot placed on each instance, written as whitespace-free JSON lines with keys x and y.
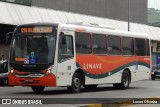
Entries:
{"x":71,"y":55}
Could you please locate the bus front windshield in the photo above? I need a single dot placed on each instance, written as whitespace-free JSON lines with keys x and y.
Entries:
{"x":33,"y":49}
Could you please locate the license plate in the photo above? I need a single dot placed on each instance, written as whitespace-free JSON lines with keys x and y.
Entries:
{"x":28,"y":81}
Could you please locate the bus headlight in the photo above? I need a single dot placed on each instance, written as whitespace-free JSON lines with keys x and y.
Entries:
{"x":49,"y":70}
{"x":11,"y":71}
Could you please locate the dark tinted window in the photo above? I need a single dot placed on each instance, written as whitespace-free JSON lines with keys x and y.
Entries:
{"x":114,"y":45}
{"x":140,"y":47}
{"x":148,"y":47}
{"x":158,"y":46}
{"x":127,"y":46}
{"x":99,"y":44}
{"x":83,"y":43}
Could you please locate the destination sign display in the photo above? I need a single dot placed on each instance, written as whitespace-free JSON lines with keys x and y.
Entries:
{"x":36,"y":30}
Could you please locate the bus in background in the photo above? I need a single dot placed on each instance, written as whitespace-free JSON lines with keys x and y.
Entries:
{"x":75,"y":55}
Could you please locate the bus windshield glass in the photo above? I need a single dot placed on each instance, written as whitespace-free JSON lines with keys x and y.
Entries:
{"x":33,"y":48}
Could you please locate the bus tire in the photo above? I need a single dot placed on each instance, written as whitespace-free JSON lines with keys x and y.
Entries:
{"x":125,"y":81}
{"x":76,"y":83}
{"x":38,"y":89}
{"x":90,"y":87}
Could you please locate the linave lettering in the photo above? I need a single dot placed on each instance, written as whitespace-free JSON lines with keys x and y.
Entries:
{"x":92,"y":66}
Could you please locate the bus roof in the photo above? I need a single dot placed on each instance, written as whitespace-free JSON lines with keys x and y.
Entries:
{"x":38,"y":24}
{"x":88,"y":29}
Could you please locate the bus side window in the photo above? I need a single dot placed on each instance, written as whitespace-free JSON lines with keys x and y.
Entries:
{"x":83,"y":43}
{"x":65,"y":47}
{"x":148,"y":47}
{"x":114,"y":47}
{"x":127,"y":46}
{"x":99,"y":44}
{"x":140,"y":49}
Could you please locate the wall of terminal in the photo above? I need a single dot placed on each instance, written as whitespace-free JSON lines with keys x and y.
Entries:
{"x":113,"y":9}
{"x":4,"y":48}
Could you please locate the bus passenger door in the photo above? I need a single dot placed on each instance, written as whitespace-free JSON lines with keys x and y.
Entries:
{"x":66,"y":58}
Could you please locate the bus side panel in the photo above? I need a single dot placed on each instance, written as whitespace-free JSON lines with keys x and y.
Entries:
{"x":65,"y":72}
{"x":141,"y":70}
{"x":108,"y":69}
{"x":142,"y":74}
{"x":113,"y":78}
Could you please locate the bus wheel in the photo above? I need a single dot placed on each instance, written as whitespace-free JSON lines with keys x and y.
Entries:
{"x":124,"y":82}
{"x":90,"y":87}
{"x":38,"y":89}
{"x":76,"y":83}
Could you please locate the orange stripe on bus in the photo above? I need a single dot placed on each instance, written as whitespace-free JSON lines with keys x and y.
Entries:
{"x":104,"y":64}
{"x":20,"y":59}
{"x":80,"y":29}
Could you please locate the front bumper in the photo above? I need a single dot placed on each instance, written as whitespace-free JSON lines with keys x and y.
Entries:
{"x":48,"y":80}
